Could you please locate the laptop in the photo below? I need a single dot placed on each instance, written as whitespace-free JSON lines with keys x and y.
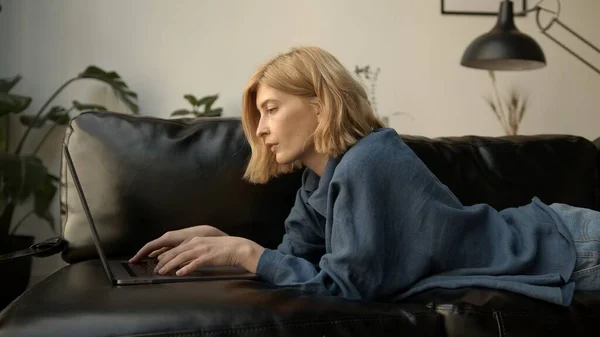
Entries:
{"x":121,"y":272}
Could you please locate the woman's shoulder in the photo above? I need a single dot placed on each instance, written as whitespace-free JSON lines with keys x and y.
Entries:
{"x":381,"y":144}
{"x":380,"y":150}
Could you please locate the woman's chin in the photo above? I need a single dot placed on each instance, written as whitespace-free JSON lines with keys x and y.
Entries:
{"x":281,"y":160}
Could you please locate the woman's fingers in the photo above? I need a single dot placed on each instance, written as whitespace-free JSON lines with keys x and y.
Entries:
{"x":167,"y":256}
{"x":161,"y":245}
{"x":177,"y":260}
{"x":181,"y":265}
{"x":200,"y":251}
{"x":168,"y":239}
{"x":143,"y":252}
{"x":159,"y":251}
{"x":191,"y":266}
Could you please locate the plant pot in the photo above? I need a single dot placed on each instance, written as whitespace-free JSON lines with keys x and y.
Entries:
{"x":16,"y":273}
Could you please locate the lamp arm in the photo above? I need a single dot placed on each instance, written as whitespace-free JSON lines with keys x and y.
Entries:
{"x":537,"y":5}
{"x":537,"y":17}
{"x":544,"y":29}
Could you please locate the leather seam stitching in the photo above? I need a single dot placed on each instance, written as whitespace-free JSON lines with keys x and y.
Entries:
{"x":268,"y":326}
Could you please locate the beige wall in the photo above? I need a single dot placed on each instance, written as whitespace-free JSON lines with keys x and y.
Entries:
{"x":165,"y":49}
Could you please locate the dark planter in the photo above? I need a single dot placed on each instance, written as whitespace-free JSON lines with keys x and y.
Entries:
{"x":15,"y":274}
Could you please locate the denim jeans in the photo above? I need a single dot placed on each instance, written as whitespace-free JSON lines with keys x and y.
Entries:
{"x":584,"y":226}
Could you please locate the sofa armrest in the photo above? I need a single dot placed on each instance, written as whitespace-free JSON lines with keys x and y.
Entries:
{"x":78,"y":301}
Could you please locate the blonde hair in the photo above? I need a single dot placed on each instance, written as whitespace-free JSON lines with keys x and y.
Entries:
{"x":308,"y":72}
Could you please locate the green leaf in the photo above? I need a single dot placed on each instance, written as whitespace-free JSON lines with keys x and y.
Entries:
{"x":3,"y":121}
{"x":208,"y":101}
{"x":116,"y":83}
{"x":212,"y":113}
{"x":3,"y":199}
{"x":88,"y":106}
{"x":6,"y":84}
{"x":181,"y":112}
{"x":192,"y":99}
{"x":3,"y":194}
{"x":13,"y":103}
{"x":29,"y":121}
{"x":58,"y":115}
{"x":35,"y":175}
{"x":9,"y":175}
{"x":43,"y":195}
{"x":21,"y":175}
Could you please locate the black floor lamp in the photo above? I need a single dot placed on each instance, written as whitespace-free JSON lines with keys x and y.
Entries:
{"x":506,"y":48}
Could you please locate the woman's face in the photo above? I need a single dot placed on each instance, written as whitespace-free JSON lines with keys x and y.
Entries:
{"x":286,"y":125}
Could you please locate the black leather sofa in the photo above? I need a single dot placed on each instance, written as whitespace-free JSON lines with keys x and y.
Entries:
{"x":144,"y":176}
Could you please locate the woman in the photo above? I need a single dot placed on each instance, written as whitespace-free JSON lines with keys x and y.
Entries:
{"x":370,"y":220}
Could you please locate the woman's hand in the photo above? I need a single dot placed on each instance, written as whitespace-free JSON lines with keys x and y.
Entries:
{"x":210,"y":251}
{"x":173,"y":239}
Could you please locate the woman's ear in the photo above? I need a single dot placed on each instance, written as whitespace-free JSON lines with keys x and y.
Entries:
{"x":316,"y":104}
{"x":318,"y":113}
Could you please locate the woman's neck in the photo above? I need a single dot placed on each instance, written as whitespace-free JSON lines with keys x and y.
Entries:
{"x":316,"y":162}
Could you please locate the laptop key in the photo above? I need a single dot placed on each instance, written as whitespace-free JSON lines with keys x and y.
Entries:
{"x":143,"y":268}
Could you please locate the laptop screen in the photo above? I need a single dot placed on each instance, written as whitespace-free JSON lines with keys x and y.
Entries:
{"x":88,"y":214}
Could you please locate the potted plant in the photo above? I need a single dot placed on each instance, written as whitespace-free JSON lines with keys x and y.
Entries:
{"x":24,"y":176}
{"x":509,"y":112}
{"x":206,"y":101}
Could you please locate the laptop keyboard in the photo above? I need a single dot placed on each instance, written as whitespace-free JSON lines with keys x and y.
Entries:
{"x":144,"y":268}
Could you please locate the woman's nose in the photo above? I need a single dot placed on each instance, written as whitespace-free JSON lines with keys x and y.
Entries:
{"x":261,"y":130}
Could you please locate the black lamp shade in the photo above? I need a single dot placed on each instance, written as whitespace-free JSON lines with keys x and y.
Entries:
{"x":504,"y":47}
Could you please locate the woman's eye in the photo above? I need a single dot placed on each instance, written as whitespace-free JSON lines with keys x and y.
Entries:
{"x":271,"y":110}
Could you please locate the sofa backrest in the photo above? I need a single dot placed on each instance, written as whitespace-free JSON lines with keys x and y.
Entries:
{"x":143,"y":176}
{"x":508,"y":171}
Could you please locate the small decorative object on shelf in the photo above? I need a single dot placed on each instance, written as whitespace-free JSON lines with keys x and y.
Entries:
{"x":515,"y":105}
